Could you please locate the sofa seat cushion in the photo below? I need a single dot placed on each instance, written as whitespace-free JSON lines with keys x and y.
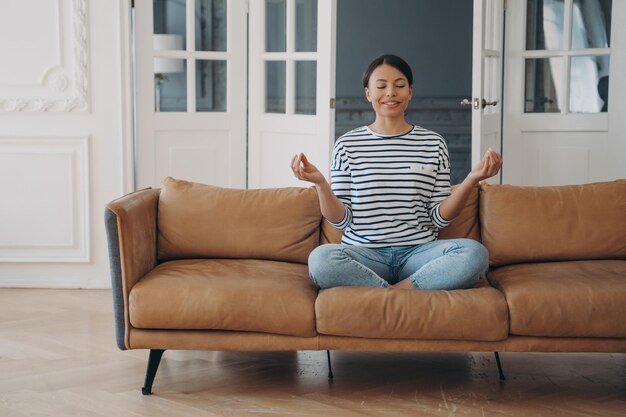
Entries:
{"x":565,"y":299}
{"x":226,"y":294}
{"x":473,"y":314}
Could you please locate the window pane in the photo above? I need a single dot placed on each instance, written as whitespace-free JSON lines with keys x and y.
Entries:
{"x":169,"y":18}
{"x":543,"y":82}
{"x":544,"y":24}
{"x":210,"y":25}
{"x":589,"y":84}
{"x":306,"y":78}
{"x":210,"y":85}
{"x":275,"y":25}
{"x":591,"y":24}
{"x":275,"y":81}
{"x":306,"y":25}
{"x":170,"y":79}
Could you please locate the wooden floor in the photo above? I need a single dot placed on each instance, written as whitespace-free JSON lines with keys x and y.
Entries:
{"x":58,"y":358}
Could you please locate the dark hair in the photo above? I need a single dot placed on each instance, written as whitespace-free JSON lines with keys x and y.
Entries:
{"x":392,"y":60}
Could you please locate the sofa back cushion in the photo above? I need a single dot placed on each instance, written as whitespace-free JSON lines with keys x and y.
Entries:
{"x":465,"y":225}
{"x":203,"y":221}
{"x":534,"y":224}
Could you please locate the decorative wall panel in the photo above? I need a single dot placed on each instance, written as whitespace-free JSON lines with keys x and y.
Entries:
{"x":45,"y":56}
{"x":46,"y":215}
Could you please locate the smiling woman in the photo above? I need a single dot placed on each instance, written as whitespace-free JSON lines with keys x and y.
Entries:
{"x":390,"y":193}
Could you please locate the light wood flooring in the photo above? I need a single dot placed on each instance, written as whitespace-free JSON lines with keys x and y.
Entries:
{"x":58,"y":358}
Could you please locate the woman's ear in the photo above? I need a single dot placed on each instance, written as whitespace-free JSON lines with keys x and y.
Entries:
{"x":367,"y":94}
{"x":410,"y":92}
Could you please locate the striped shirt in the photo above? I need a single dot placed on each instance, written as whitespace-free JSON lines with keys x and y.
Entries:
{"x":391,"y":186}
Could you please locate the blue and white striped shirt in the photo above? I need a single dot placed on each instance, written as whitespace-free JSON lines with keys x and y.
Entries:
{"x":391,"y":186}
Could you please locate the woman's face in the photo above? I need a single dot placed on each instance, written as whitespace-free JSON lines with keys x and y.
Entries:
{"x":389,"y":91}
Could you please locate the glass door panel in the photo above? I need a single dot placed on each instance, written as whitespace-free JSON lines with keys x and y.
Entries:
{"x":544,"y":24}
{"x":306,"y":25}
{"x":589,"y":85}
{"x":275,"y":25}
{"x":591,"y":24}
{"x":210,"y":25}
{"x":169,"y":19}
{"x":275,"y":80}
{"x":211,"y":81}
{"x":306,"y":77}
{"x":170,"y":85}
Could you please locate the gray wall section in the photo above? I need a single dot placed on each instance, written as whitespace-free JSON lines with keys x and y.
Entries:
{"x":434,"y":37}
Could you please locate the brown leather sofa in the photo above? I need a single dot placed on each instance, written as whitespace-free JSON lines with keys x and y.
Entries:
{"x":207,"y":268}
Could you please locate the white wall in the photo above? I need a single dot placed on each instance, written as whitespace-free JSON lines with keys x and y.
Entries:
{"x":63,"y":140}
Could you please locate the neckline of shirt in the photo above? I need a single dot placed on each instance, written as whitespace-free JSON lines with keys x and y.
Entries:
{"x":380,"y":135}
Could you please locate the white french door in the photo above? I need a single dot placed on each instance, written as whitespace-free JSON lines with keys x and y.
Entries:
{"x":292,"y":88}
{"x":564,"y":102}
{"x":190,"y":78}
{"x":228,"y":90}
{"x":487,"y":62}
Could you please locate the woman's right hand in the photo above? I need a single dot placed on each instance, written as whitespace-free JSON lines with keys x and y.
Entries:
{"x":306,"y":171}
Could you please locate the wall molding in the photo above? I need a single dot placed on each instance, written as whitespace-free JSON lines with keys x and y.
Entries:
{"x":77,"y":93}
{"x":70,"y":242}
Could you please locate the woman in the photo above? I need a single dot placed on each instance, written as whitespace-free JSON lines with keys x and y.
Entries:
{"x":390,"y":194}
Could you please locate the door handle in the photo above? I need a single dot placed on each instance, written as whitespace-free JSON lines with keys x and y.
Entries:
{"x":486,"y":103}
{"x":477,"y":103}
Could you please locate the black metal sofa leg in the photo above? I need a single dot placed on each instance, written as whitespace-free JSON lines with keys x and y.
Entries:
{"x":330,"y":368}
{"x":153,"y":366}
{"x":502,"y":377}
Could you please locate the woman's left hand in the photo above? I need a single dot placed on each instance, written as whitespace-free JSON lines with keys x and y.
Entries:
{"x":488,"y":167}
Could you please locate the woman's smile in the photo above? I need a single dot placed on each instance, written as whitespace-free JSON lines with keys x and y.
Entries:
{"x":389,"y":92}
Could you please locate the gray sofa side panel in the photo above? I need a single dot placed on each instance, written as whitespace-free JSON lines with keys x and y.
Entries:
{"x":110,"y":223}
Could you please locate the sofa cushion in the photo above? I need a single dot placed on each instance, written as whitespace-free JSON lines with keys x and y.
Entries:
{"x":565,"y":299}
{"x":474,"y":314}
{"x":226,"y":294}
{"x":465,"y":225}
{"x":533,"y":224}
{"x":202,"y":221}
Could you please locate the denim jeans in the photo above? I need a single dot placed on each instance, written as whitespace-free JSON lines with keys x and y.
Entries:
{"x":437,"y":265}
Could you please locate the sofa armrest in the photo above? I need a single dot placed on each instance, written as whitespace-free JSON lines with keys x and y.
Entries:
{"x":131,"y":226}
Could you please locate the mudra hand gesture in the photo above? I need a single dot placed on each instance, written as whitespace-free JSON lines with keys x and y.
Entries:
{"x":487,"y":167}
{"x":306,"y":171}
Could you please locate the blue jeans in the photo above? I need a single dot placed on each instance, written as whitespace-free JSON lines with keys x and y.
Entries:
{"x":437,"y":265}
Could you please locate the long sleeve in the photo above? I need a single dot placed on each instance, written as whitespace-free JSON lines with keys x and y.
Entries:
{"x":441,"y":189}
{"x":341,"y":181}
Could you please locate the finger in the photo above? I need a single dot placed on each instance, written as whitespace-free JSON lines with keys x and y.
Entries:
{"x":301,"y":173}
{"x":293,"y":163}
{"x":305,"y":160}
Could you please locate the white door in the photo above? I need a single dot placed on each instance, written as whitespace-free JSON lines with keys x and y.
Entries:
{"x":563,"y":57}
{"x":191,"y":91}
{"x":291,"y":88}
{"x":487,"y":78}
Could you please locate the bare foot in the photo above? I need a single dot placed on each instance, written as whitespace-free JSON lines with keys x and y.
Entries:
{"x":405,"y":284}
